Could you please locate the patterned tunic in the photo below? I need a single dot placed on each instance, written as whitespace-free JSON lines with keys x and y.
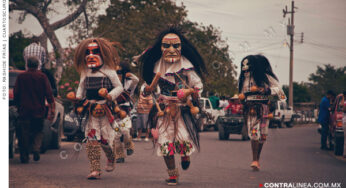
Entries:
{"x":177,"y":133}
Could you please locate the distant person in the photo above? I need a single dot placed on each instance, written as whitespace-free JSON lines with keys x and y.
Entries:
{"x":257,"y":82}
{"x":144,"y":105}
{"x":36,"y":50}
{"x":323,"y":117}
{"x":223,"y":102}
{"x":234,"y":105}
{"x":30,"y":92}
{"x":215,"y":101}
{"x":129,"y":81}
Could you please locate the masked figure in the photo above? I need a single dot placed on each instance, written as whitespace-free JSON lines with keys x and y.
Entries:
{"x":256,"y":83}
{"x":95,"y":60}
{"x":129,"y":82}
{"x":176,"y":66}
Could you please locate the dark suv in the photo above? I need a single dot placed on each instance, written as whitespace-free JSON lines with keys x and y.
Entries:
{"x":231,"y":123}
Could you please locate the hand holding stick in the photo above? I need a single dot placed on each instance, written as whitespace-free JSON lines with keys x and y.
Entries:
{"x":103,"y":92}
{"x":72,"y":97}
{"x":149,"y":89}
{"x":193,"y":109}
{"x":122,"y":114}
{"x":128,"y":75}
{"x":182,"y":94}
{"x":241,"y":96}
{"x":159,"y":111}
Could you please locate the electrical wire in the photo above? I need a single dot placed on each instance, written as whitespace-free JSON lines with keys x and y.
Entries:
{"x":261,"y":48}
{"x":323,"y":48}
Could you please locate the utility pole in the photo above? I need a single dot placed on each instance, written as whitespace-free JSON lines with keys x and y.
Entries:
{"x":290,"y":31}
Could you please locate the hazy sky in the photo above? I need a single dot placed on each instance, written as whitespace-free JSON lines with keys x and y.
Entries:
{"x":252,"y":27}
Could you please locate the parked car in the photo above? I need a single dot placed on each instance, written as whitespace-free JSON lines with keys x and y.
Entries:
{"x":282,"y":114}
{"x":336,"y":138}
{"x":304,"y":117}
{"x":73,"y":126}
{"x":231,"y":124}
{"x":52,"y":130}
{"x":207,"y":116}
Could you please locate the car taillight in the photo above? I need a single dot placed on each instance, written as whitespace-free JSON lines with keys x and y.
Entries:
{"x":339,"y":117}
{"x":339,"y":124}
{"x":10,"y":95}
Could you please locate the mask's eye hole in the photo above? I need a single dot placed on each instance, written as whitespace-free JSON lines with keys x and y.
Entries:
{"x":176,"y":45}
{"x":165,"y":45}
{"x":96,"y":51}
{"x":87,"y":52}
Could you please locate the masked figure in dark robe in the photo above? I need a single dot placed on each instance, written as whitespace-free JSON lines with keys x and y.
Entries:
{"x":177,"y":68}
{"x":256,"y":83}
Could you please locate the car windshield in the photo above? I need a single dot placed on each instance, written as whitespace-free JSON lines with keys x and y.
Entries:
{"x":282,"y":105}
{"x":201,"y":102}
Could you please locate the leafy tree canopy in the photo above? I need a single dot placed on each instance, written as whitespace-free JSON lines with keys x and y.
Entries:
{"x":136,"y":23}
{"x":327,"y":78}
{"x":17,"y":44}
{"x":300,"y":92}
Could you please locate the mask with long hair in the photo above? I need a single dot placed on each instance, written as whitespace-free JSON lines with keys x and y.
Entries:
{"x":258,"y":67}
{"x":160,"y":50}
{"x":94,"y":53}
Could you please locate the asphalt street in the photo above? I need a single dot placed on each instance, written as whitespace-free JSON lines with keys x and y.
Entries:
{"x":291,"y":155}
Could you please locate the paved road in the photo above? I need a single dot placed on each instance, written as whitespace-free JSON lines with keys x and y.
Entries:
{"x":290,"y":155}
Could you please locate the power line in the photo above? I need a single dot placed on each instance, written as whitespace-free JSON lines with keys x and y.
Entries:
{"x":301,"y":59}
{"x":257,"y":48}
{"x":327,"y":46}
{"x":338,"y":52}
{"x":323,"y":44}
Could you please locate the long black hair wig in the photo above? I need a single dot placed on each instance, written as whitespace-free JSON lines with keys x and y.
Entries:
{"x":259,"y":68}
{"x":153,"y":54}
{"x":125,"y":68}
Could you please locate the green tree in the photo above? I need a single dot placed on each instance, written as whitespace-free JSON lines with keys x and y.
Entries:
{"x":17,"y":44}
{"x":300,"y":92}
{"x":214,"y":50}
{"x":327,"y":78}
{"x":136,"y":23}
{"x":41,"y":10}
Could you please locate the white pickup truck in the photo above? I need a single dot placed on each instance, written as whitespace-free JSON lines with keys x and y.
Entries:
{"x":207,"y":116}
{"x":282,"y":114}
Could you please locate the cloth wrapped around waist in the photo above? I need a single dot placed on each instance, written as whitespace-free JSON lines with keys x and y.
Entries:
{"x":256,"y":108}
{"x":163,"y":99}
{"x":257,"y":98}
{"x":97,"y":109}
